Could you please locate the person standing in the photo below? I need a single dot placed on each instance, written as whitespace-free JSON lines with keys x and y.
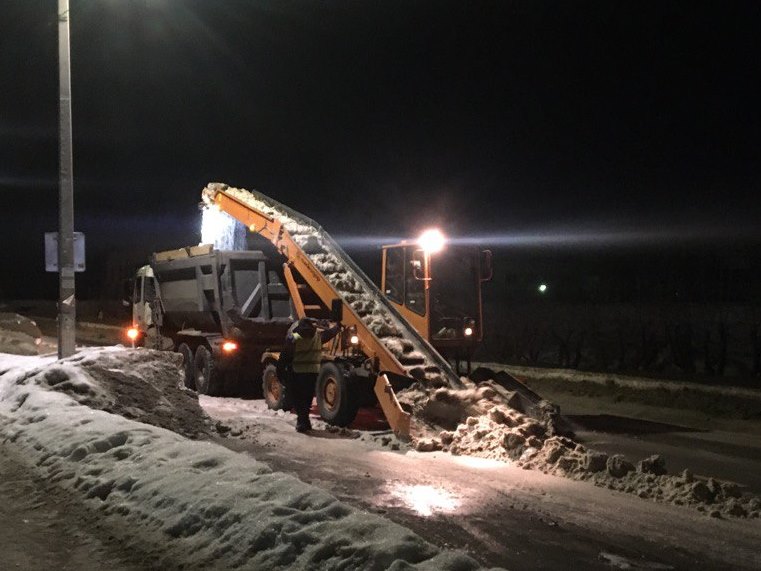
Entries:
{"x":302,"y":354}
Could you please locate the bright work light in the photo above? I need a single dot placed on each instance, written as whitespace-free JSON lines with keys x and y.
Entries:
{"x":431,"y":241}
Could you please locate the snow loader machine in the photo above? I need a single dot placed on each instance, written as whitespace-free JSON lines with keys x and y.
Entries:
{"x":388,"y":341}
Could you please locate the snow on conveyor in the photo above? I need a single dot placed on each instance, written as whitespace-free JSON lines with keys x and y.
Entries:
{"x":415,"y":354}
{"x":187,"y":503}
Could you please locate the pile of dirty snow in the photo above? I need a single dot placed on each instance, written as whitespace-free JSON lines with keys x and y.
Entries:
{"x":186,"y":503}
{"x":480,"y":420}
{"x":484,"y":420}
{"x":648,"y":478}
{"x":19,"y":335}
{"x":413,"y":353}
{"x":143,"y":385}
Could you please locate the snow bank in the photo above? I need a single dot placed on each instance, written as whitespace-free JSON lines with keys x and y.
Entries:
{"x":19,"y":335}
{"x":192,"y":504}
{"x":613,"y":380}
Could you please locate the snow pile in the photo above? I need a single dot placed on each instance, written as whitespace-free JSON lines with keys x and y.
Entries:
{"x":19,"y":335}
{"x":648,"y":479}
{"x":142,"y":385}
{"x":186,"y":503}
{"x":484,"y":420}
{"x":413,"y":353}
{"x":481,"y":420}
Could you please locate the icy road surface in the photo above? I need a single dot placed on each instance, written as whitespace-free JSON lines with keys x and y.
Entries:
{"x":497,"y":513}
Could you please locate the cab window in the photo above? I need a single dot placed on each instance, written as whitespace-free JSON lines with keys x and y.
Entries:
{"x":395,"y":274}
{"x":149,"y":290}
{"x":414,"y":290}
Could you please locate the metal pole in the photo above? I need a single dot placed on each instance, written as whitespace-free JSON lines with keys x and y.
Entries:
{"x":66,"y":293}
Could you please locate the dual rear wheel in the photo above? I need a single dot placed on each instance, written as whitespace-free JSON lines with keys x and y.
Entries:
{"x":199,"y":371}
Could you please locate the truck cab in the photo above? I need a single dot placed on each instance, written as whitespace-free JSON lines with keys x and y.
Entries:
{"x":145,"y":292}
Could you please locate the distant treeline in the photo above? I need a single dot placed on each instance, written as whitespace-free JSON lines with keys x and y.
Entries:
{"x":683,"y":339}
{"x":704,"y":275}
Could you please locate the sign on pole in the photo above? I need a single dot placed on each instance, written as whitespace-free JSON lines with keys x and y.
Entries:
{"x":51,"y":252}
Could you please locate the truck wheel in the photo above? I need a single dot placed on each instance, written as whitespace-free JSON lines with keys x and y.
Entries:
{"x":275,"y":393}
{"x":336,"y":404}
{"x":207,"y":377}
{"x":188,"y":366}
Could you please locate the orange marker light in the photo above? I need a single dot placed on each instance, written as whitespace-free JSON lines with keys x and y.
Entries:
{"x":132,"y":333}
{"x":229,"y":346}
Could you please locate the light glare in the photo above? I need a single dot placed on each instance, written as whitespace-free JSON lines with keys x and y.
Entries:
{"x":432,"y":241}
{"x":221,"y":230}
{"x":425,"y":500}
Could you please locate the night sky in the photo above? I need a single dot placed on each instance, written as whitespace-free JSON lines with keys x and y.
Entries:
{"x":378,"y":118}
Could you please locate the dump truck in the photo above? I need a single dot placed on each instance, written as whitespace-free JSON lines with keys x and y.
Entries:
{"x":215,"y":307}
{"x":220,"y":309}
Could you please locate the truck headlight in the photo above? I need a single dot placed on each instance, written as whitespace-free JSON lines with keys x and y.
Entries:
{"x":469,"y":327}
{"x":229,"y":346}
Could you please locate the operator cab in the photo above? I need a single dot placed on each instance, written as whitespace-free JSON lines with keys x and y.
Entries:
{"x":438,"y":290}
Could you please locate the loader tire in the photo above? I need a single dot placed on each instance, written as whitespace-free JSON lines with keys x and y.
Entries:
{"x":207,"y":377}
{"x":275,"y":392}
{"x":188,"y":366}
{"x":335,"y":401}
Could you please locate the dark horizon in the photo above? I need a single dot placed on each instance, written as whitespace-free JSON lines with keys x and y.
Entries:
{"x":488,"y":119}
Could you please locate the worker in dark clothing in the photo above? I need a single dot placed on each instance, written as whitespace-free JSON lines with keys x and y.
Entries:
{"x":302,"y":354}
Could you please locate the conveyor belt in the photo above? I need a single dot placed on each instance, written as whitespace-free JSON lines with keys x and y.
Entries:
{"x":415,"y":356}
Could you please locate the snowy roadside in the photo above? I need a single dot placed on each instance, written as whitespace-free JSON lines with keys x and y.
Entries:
{"x":644,"y":383}
{"x":692,"y":405}
{"x":186,"y":503}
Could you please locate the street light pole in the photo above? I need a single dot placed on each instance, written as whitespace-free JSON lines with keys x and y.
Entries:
{"x":66,"y":292}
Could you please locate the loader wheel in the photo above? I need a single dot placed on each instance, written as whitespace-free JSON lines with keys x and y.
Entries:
{"x":207,"y":377}
{"x":275,"y":393}
{"x":335,"y":402}
{"x":188,"y":367}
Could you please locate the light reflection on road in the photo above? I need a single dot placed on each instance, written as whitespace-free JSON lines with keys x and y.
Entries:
{"x":479,"y":463}
{"x":424,"y":500}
